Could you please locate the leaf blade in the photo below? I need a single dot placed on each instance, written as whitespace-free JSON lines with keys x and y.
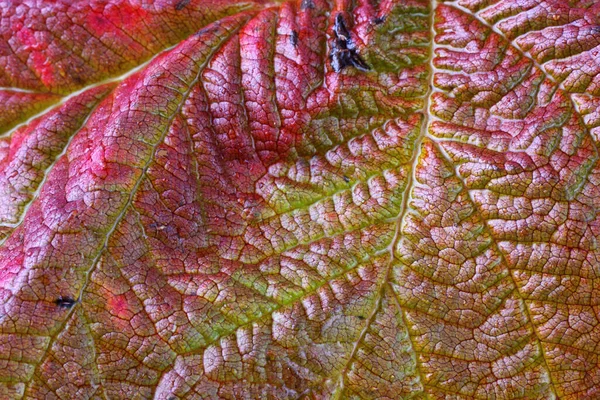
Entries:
{"x":247,"y":216}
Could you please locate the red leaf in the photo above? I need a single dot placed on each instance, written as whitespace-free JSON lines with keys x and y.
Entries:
{"x":312,"y":199}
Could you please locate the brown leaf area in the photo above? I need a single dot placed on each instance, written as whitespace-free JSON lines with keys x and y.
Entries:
{"x":314,"y":199}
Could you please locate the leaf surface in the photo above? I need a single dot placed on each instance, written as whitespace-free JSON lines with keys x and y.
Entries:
{"x":299,"y":200}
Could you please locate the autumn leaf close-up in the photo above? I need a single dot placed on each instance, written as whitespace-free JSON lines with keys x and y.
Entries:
{"x":303,"y":199}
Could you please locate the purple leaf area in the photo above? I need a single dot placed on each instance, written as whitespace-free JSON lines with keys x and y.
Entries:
{"x":314,"y":199}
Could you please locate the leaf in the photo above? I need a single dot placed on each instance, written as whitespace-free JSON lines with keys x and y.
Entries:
{"x":300,"y":200}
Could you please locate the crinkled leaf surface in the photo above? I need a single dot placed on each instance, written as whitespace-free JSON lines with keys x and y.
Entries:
{"x":321,"y":199}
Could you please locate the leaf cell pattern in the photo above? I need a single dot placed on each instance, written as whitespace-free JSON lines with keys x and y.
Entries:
{"x":217,"y":200}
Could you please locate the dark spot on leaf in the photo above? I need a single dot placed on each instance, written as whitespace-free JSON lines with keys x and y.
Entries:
{"x":346,"y":179}
{"x":340,"y":30}
{"x":207,"y":29}
{"x":361,"y":317}
{"x":78,"y":79}
{"x":379,"y":20}
{"x":181,"y":4}
{"x":75,"y":72}
{"x":343,"y":50}
{"x":294,"y":38}
{"x":65,"y":302}
{"x":306,"y":4}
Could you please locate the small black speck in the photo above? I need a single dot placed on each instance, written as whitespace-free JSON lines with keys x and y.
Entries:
{"x":171,"y":398}
{"x":294,"y":38}
{"x":379,"y":20}
{"x":361,"y":317}
{"x":346,"y":179}
{"x":65,"y":302}
{"x":306,"y":4}
{"x":181,"y":4}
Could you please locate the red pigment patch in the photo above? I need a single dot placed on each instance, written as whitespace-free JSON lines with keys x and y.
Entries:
{"x":27,"y":37}
{"x":118,"y":19}
{"x":19,"y":136}
{"x":119,"y":307}
{"x":38,"y":60}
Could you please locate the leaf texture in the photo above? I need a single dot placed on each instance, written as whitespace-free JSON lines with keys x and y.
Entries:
{"x":314,"y":199}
